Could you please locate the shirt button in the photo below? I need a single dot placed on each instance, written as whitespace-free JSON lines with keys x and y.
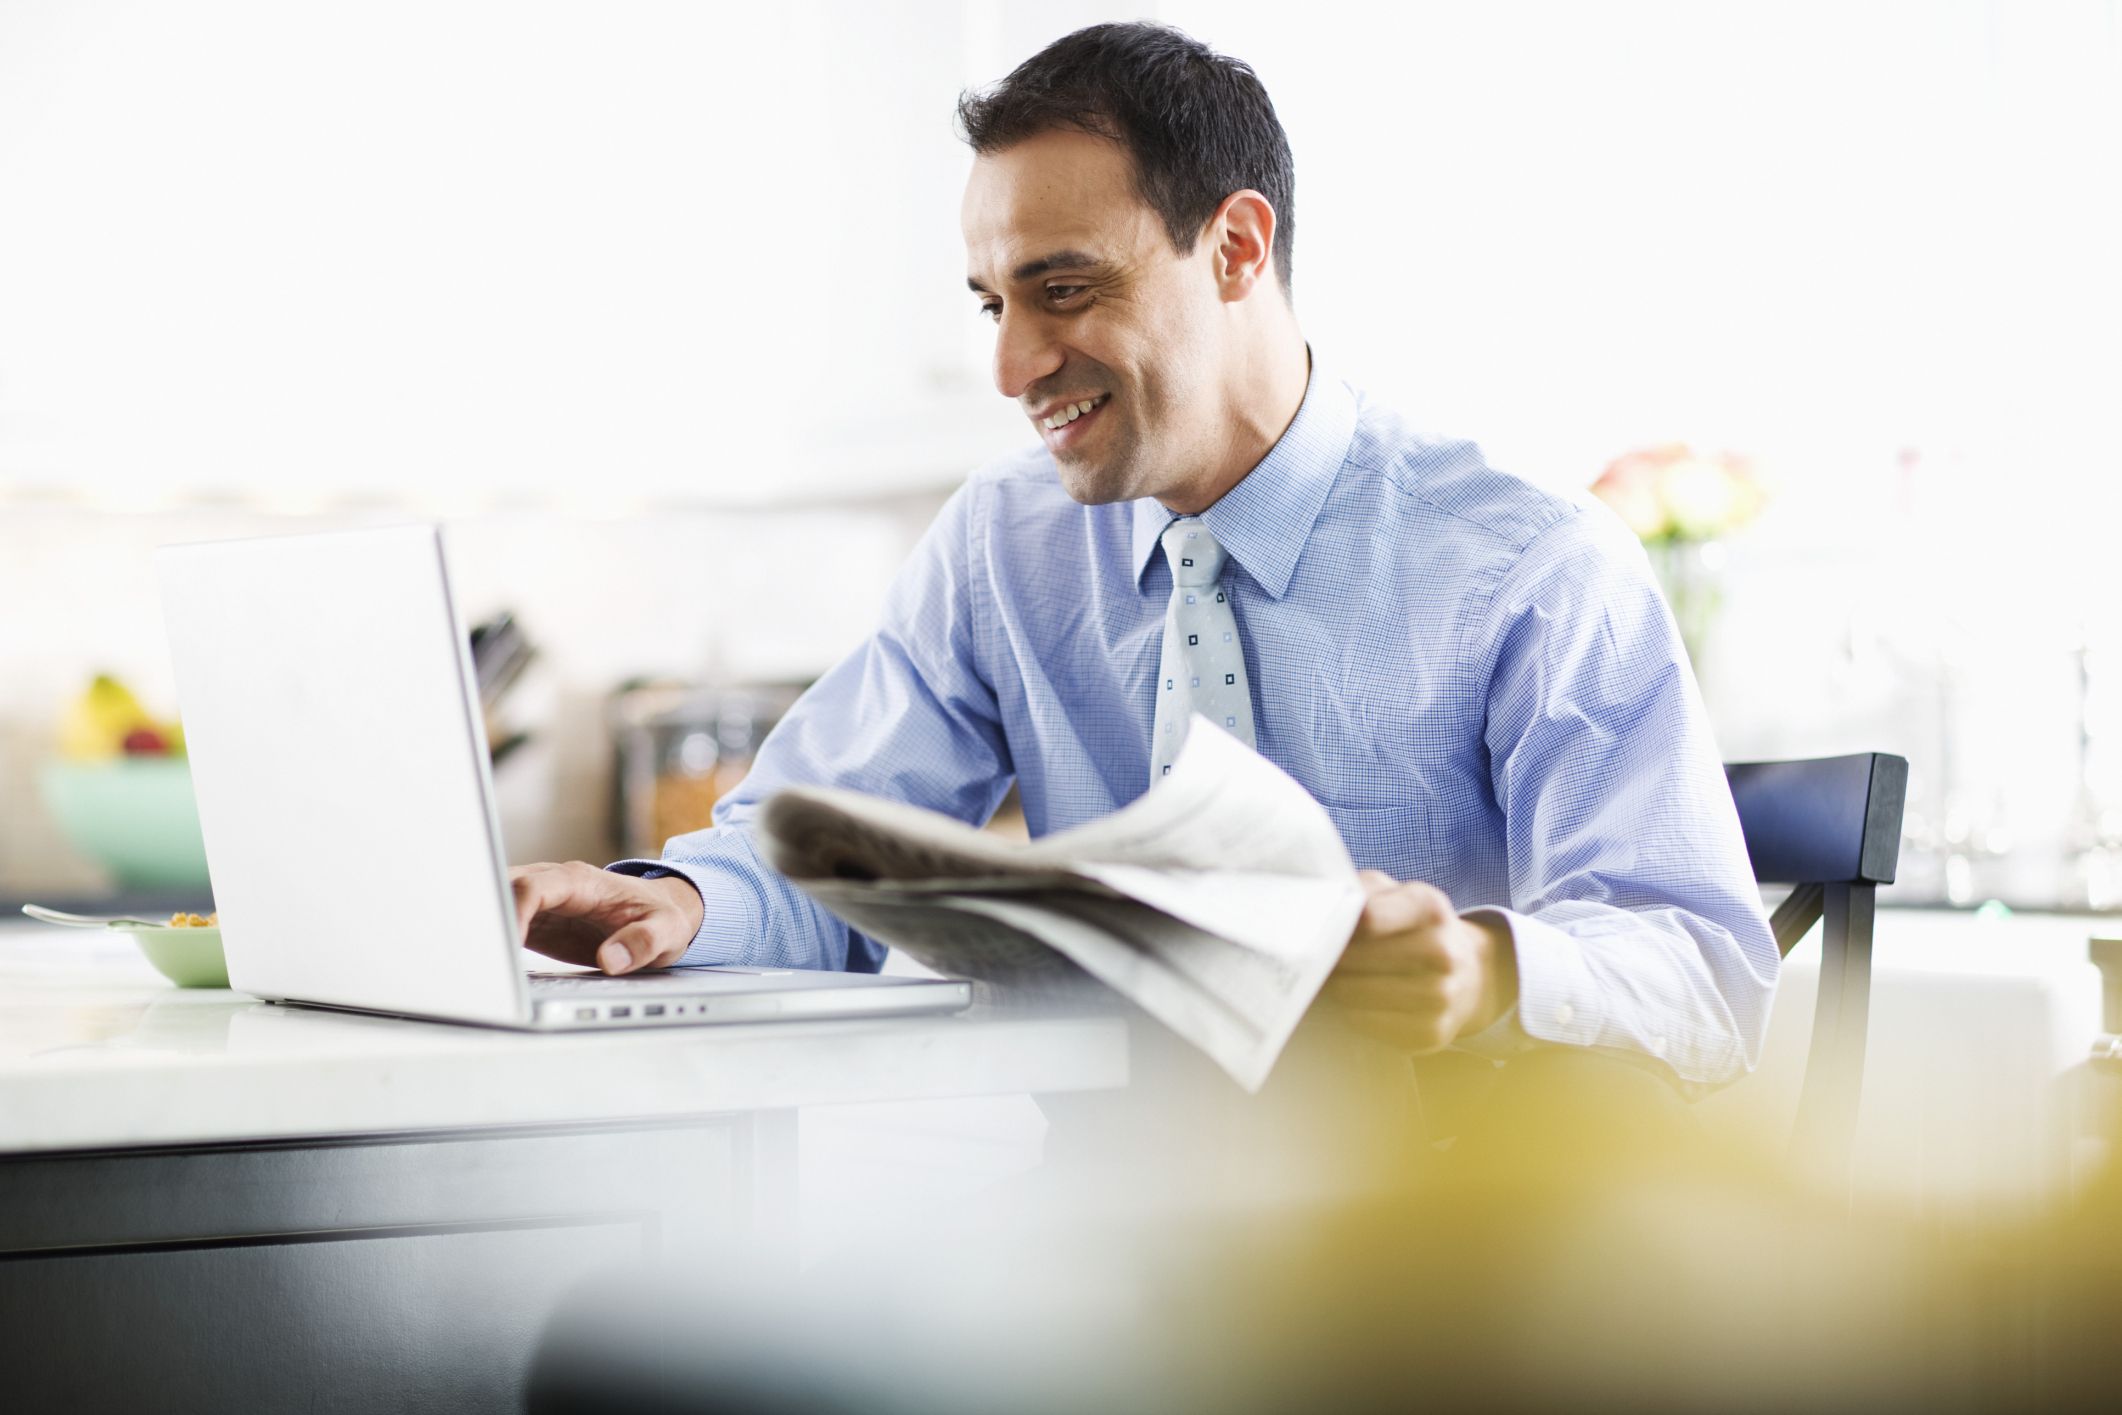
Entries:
{"x":1565,"y":1014}
{"x":1657,"y":1046}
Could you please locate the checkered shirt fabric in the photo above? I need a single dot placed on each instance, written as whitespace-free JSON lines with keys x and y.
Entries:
{"x":1478,"y":679}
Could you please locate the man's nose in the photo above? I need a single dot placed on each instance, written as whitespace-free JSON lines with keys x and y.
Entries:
{"x":1024,"y":354}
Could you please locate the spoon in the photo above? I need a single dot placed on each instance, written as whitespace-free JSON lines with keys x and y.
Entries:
{"x":91,"y":921}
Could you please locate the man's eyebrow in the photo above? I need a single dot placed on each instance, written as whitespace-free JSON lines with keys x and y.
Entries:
{"x":1032,"y":269}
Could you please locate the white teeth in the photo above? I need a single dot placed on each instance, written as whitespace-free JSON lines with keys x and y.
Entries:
{"x":1068,"y":414}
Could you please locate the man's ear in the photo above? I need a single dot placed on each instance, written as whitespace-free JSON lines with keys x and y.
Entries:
{"x":1241,"y":237}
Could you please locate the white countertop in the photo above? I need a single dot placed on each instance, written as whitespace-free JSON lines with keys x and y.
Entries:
{"x":97,"y":1051}
{"x":1974,"y":1023}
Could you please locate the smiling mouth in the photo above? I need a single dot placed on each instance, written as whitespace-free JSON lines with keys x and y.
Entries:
{"x":1073,"y":412}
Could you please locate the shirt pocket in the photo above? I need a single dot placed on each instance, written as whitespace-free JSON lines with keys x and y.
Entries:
{"x":1395,"y":839}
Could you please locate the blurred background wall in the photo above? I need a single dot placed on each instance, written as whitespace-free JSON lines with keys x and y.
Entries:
{"x":654,"y":302}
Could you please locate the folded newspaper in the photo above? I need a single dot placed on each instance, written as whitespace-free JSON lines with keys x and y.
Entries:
{"x":1217,"y":903}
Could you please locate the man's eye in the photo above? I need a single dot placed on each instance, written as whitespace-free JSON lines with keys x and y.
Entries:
{"x":1062,"y":292}
{"x":992,"y":309}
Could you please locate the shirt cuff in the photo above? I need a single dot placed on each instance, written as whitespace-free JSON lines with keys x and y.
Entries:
{"x":729,"y":912}
{"x":1500,"y":1040}
{"x":1557,"y":1000}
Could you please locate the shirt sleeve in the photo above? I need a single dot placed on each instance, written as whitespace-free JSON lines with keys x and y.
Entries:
{"x":1634,"y":914}
{"x":908,"y":715}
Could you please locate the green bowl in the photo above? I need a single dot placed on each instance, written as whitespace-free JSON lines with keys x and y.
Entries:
{"x":135,"y":816}
{"x":190,"y":958}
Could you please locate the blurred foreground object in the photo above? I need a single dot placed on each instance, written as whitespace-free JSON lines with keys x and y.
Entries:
{"x":1682,"y":504}
{"x":1578,"y":1247}
{"x":678,"y":748}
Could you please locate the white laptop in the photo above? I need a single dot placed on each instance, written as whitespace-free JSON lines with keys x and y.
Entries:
{"x":340,"y":763}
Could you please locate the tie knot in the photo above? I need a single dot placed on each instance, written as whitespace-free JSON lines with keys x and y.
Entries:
{"x":1195,"y":557}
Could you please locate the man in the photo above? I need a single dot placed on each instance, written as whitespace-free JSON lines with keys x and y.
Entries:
{"x":1478,"y":680}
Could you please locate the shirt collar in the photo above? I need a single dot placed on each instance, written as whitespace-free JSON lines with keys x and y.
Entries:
{"x":1263,"y":521}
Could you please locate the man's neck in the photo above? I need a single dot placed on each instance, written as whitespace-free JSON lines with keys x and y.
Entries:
{"x":1259,"y":412}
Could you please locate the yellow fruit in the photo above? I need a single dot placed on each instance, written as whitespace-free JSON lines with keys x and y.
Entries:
{"x":94,"y":727}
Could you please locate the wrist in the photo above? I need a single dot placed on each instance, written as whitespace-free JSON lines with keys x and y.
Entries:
{"x":1499,"y":969}
{"x":683,"y":896}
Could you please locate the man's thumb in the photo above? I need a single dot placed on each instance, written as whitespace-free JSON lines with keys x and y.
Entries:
{"x":626,"y":950}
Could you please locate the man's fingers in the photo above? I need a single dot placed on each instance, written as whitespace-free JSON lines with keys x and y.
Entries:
{"x":541,"y":887}
{"x":532,"y":888}
{"x":1416,"y":1036}
{"x":1412,"y":971}
{"x":579,"y":913}
{"x":631,"y":947}
{"x":1422,"y":951}
{"x":639,"y":946}
{"x":1401,"y":908}
{"x":1414,"y":997}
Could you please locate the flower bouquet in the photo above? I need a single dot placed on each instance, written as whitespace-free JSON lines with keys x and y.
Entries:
{"x":1682,"y":504}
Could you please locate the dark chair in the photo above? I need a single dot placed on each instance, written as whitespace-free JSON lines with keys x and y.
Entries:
{"x":1830,"y":827}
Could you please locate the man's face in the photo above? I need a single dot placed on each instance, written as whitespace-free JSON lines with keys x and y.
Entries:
{"x":1092,"y":305}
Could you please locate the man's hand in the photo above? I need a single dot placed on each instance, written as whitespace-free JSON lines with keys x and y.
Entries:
{"x":578,"y":913}
{"x":1416,"y":974}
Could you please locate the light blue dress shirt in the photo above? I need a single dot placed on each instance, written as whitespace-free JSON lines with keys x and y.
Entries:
{"x":1479,"y":680}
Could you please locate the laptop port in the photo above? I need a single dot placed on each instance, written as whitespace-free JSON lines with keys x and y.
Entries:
{"x":585,"y":1014}
{"x":622,"y":1012}
{"x":654,"y":1009}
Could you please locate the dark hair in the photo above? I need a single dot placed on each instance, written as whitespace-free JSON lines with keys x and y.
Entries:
{"x":1197,"y":123}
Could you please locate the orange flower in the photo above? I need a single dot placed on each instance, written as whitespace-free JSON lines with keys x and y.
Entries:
{"x":1671,"y":492}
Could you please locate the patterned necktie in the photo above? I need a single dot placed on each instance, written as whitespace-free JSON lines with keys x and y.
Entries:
{"x":1202,"y":669}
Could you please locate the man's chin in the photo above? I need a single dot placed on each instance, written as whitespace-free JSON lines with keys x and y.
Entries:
{"x":1094,"y":485}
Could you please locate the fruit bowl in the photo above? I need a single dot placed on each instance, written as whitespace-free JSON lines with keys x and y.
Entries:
{"x":133,"y":815}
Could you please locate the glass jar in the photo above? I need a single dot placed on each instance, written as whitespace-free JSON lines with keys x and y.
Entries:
{"x":678,"y":749}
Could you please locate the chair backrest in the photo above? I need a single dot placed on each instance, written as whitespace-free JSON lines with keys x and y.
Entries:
{"x":1831,"y":828}
{"x":1820,"y":821}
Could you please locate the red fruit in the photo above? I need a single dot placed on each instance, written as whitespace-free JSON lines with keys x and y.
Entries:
{"x":145,"y":742}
